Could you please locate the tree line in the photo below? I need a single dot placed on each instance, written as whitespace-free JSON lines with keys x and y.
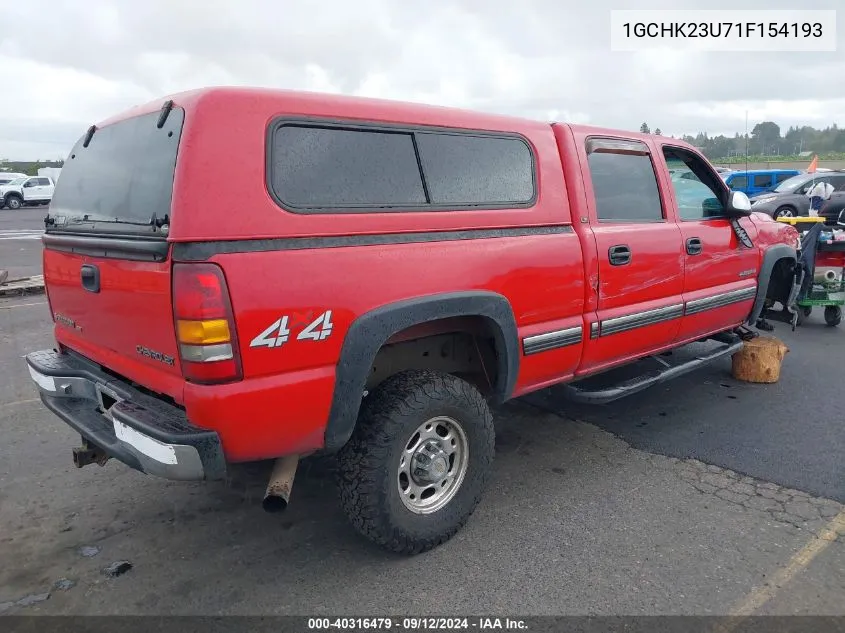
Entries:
{"x":766,"y":141}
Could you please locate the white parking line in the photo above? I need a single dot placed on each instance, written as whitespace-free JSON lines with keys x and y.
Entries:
{"x":21,"y":234}
{"x":23,"y":305}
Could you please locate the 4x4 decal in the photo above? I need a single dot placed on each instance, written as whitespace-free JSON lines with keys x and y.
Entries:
{"x":279,"y":332}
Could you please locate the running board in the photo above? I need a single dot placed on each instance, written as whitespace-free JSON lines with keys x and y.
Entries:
{"x":730,"y":344}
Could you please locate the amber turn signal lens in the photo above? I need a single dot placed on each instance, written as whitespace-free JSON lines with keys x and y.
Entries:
{"x":207,"y":332}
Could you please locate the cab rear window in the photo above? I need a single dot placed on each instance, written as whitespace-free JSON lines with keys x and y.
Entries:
{"x":122,"y":179}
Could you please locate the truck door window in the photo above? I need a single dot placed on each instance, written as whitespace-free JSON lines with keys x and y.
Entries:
{"x":763,"y":180}
{"x":624,"y":182}
{"x":699,"y":194}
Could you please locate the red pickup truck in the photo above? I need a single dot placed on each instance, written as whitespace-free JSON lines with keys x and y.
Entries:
{"x":240,"y":274}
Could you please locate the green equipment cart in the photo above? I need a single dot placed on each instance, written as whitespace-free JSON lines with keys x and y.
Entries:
{"x":828,"y":289}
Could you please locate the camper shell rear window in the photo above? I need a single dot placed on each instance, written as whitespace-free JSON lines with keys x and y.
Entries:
{"x":122,"y":179}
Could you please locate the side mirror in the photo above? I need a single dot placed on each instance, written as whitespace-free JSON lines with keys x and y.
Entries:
{"x":738,"y":204}
{"x":28,"y":183}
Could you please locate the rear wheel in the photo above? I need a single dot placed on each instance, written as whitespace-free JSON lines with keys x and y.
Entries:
{"x":14,"y":203}
{"x":833,"y":315}
{"x":416,"y":465}
{"x":784,"y":212}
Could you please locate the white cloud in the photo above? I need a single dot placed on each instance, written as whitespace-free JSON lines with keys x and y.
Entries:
{"x":536,"y":58}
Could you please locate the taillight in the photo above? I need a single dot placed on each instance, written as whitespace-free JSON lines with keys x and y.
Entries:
{"x":205,"y":324}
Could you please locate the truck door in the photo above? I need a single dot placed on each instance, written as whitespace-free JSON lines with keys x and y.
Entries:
{"x":30,"y":190}
{"x":640,"y":258}
{"x":720,"y":274}
{"x":42,"y":189}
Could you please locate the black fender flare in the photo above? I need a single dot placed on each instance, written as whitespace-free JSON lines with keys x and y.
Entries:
{"x":771,"y":257}
{"x":372,"y":329}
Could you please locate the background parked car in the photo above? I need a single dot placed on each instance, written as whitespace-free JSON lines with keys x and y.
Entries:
{"x":789,"y":199}
{"x":758,"y":181}
{"x":26,"y":191}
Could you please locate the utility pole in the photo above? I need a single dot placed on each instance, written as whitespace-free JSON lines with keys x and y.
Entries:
{"x":746,"y":142}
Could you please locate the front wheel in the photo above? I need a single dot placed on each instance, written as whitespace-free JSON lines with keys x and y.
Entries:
{"x":784,"y":212}
{"x":418,"y":461}
{"x":833,"y":315}
{"x":14,"y":203}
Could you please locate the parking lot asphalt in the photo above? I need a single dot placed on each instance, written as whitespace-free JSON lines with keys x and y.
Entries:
{"x":680,"y":500}
{"x":20,"y":248}
{"x":791,"y":433}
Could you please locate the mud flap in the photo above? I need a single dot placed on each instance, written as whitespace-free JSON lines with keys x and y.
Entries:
{"x":789,"y":314}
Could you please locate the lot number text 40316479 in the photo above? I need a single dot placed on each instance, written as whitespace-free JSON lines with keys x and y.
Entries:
{"x":417,"y":624}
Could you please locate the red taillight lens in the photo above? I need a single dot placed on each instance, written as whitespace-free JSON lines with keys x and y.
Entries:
{"x":205,"y":324}
{"x":199,"y":292}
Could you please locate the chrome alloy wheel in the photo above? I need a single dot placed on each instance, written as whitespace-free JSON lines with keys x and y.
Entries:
{"x":433,"y":465}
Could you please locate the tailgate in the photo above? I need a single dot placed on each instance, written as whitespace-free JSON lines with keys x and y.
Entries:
{"x":130,"y":314}
{"x":106,"y":266}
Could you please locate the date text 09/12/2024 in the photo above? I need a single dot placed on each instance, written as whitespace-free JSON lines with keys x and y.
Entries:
{"x":771,"y":30}
{"x":415,"y":624}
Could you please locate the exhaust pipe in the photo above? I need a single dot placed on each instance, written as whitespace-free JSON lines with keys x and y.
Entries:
{"x":277,"y":495}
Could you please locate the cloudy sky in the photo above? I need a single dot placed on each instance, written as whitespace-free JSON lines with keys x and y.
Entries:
{"x":68,"y":64}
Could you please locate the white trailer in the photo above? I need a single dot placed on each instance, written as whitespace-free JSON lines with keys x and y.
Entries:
{"x":50,"y":172}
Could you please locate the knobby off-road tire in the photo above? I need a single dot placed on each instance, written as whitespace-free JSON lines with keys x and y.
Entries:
{"x":435,"y":409}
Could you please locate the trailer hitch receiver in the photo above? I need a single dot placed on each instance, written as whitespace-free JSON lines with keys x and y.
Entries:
{"x":89,"y":454}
